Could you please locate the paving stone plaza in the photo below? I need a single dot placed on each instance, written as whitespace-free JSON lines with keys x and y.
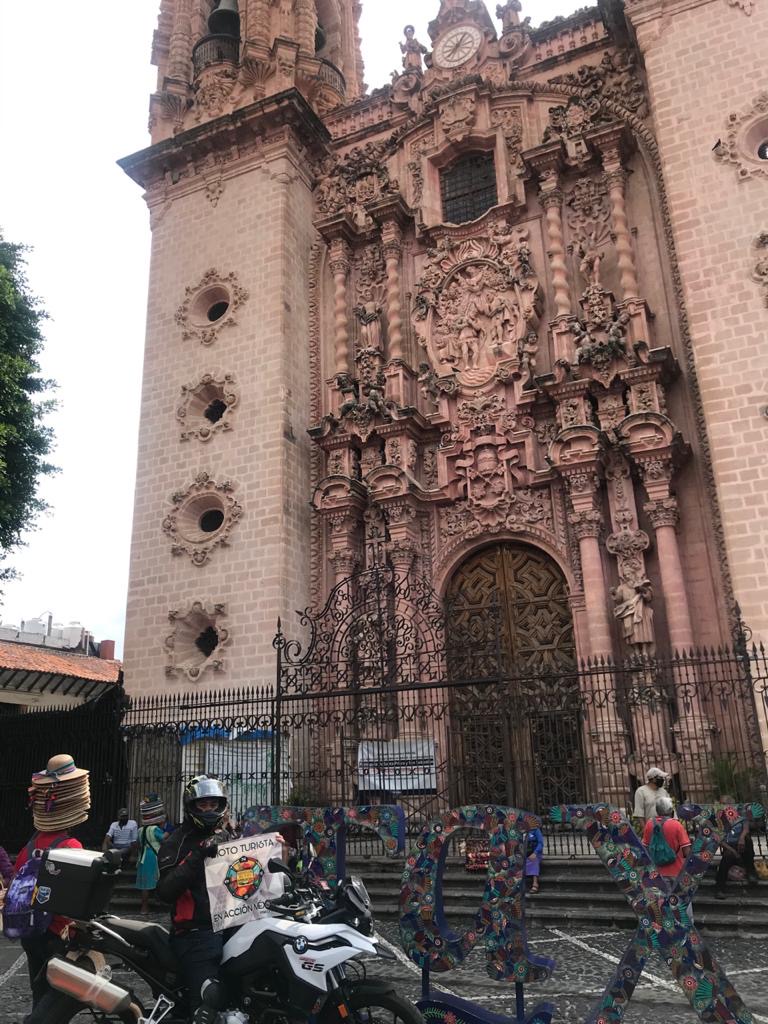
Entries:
{"x":584,"y":959}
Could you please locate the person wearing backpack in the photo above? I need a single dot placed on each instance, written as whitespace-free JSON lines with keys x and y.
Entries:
{"x":666,"y":840}
{"x":60,"y":800}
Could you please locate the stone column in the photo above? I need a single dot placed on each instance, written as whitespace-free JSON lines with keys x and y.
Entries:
{"x":306,"y":25}
{"x":340,"y":264}
{"x":665,"y":516}
{"x":692,"y":726}
{"x":258,"y":22}
{"x":392,"y":239}
{"x":180,"y":48}
{"x":616,"y":178}
{"x":551,"y":199}
{"x":587,"y":525}
{"x":606,"y":733}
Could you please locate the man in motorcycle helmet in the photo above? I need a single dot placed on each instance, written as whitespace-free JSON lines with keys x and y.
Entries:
{"x":181,"y":861}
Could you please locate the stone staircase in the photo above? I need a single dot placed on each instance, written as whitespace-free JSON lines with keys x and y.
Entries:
{"x":576,"y":892}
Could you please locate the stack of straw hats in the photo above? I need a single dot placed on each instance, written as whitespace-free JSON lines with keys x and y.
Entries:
{"x":152,"y":810}
{"x":60,"y":795}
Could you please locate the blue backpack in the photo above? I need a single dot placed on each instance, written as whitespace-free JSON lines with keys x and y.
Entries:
{"x":22,"y":916}
{"x":659,"y":849}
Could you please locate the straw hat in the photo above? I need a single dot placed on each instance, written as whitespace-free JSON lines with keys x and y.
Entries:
{"x":152,"y":810}
{"x":60,"y":795}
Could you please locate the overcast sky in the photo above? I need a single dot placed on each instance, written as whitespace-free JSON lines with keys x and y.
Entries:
{"x":74,"y":88}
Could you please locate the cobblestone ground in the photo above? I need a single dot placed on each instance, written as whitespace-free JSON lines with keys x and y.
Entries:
{"x":584,"y":960}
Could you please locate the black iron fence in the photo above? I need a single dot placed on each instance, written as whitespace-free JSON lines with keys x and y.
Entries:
{"x":390,"y":700}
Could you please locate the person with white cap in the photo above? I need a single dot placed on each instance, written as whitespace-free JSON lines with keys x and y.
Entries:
{"x":60,"y":799}
{"x":647,"y":795}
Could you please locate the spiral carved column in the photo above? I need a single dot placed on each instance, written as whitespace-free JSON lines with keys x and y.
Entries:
{"x":393,"y":249}
{"x":340,"y":263}
{"x":552,"y":201}
{"x":616,"y":177}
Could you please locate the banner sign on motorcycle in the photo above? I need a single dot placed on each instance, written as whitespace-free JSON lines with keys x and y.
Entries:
{"x":239,"y":883}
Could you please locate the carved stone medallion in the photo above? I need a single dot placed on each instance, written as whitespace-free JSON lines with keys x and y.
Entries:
{"x":476,"y":303}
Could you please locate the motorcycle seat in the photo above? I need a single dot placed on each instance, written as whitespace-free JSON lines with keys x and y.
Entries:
{"x":145,"y":935}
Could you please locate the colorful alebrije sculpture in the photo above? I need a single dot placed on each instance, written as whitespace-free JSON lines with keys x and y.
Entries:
{"x":426,"y":936}
{"x":663,"y":907}
{"x":325,"y":828}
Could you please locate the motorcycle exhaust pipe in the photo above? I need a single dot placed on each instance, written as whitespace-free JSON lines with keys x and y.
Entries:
{"x":87,"y":988}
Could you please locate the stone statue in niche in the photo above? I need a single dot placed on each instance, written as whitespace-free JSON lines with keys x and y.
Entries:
{"x":369,"y":316}
{"x":477,"y":304}
{"x":350,"y":394}
{"x":634,"y":612}
{"x":412,"y":51}
{"x":590,"y":259}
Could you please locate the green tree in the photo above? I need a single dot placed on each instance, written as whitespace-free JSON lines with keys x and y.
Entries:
{"x":25,"y":440}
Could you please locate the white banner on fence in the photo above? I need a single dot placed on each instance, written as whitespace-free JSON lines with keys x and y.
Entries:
{"x":239,"y":883}
{"x":396,"y":766}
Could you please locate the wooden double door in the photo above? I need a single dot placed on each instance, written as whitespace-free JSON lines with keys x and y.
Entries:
{"x":515,"y":730}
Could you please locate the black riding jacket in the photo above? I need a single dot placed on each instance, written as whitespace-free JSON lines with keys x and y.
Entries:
{"x":182,"y":877}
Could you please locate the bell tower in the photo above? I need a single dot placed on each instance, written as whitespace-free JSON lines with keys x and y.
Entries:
{"x":214,"y":57}
{"x":221,"y":533}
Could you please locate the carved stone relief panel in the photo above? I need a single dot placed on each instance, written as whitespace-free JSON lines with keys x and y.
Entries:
{"x":760,"y":270}
{"x":477,"y":303}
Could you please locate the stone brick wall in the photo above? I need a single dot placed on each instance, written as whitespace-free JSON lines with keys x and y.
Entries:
{"x":260,"y":229}
{"x":704,"y":61}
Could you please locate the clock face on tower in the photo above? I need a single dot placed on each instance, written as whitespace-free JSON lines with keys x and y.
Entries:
{"x":457,"y":46}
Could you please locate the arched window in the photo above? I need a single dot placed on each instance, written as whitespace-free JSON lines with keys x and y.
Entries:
{"x":468,"y":188}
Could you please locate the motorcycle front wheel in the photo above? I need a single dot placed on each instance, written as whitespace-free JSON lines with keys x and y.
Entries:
{"x":371,"y":1003}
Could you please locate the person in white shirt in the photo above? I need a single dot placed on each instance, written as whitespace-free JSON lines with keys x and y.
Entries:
{"x":647,"y":795}
{"x":122,"y":835}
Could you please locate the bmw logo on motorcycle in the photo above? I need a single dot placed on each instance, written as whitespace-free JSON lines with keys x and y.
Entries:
{"x":301,"y":944}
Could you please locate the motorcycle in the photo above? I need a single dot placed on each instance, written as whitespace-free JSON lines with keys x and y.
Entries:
{"x":304,"y":962}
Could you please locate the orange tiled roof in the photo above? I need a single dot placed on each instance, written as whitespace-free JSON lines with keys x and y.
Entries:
{"x":29,"y":658}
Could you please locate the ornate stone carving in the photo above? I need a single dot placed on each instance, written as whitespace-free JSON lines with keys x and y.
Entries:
{"x":345,"y":563}
{"x":510,"y":121}
{"x":515,"y":35}
{"x":412,"y":51}
{"x":355,"y":181}
{"x":197,"y":640}
{"x":601,"y":341}
{"x":457,"y":116}
{"x":615,"y":78}
{"x":521,"y":509}
{"x":760,"y":271}
{"x":476,"y":303}
{"x":664,"y":512}
{"x":212,"y":93}
{"x":745,"y":131}
{"x":214,"y":189}
{"x":744,"y":5}
{"x":205,"y":406}
{"x":586,"y":523}
{"x":363,"y":397}
{"x":210,"y":306}
{"x":202,"y":518}
{"x":429,"y":465}
{"x":485,"y":468}
{"x":628,"y":545}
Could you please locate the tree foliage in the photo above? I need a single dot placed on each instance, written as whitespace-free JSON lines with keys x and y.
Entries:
{"x":25,"y":440}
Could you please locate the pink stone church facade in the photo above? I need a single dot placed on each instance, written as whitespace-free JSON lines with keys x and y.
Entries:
{"x":506,"y":314}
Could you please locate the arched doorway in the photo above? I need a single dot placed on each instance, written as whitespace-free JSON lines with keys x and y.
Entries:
{"x":515,"y":714}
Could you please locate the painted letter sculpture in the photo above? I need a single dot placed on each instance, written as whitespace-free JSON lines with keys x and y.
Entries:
{"x":665,"y":923}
